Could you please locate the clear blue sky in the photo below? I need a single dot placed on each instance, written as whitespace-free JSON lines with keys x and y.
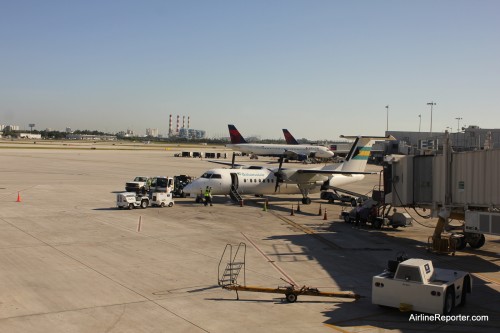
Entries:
{"x":318,"y":68}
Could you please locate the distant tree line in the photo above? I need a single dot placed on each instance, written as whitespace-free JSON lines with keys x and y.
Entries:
{"x":60,"y":135}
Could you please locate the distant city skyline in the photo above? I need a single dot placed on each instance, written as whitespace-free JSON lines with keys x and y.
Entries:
{"x":320,"y":68}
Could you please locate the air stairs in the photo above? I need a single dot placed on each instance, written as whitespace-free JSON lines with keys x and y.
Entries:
{"x":234,"y":258}
{"x":235,"y":196}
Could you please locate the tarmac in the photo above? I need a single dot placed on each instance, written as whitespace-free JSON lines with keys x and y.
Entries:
{"x":72,"y":262}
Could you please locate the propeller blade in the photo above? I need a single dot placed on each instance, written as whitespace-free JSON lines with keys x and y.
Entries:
{"x":278,"y":174}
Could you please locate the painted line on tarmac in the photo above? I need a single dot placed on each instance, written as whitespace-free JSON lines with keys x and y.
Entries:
{"x":308,"y":231}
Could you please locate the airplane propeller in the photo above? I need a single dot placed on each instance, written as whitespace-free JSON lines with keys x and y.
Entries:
{"x":232,"y":161}
{"x":279,"y":174}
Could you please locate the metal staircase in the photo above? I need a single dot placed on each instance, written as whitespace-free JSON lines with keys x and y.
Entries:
{"x":235,"y":196}
{"x":234,"y":259}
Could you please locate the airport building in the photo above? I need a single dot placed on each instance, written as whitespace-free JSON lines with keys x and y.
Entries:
{"x":8,"y":128}
{"x":153,"y":132}
{"x":189,"y":133}
{"x":470,"y":138}
{"x":425,"y":143}
{"x":30,"y":136}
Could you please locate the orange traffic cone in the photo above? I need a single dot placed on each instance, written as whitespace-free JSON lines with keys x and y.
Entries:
{"x":291,"y":212}
{"x":324,"y":217}
{"x":241,"y":203}
{"x":320,"y":210}
{"x":298,"y":207}
{"x":18,"y":197}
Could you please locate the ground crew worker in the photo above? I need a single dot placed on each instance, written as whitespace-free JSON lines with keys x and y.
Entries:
{"x":358,"y":214}
{"x":208,"y":196}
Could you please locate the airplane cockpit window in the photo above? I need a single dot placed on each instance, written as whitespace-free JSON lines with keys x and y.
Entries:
{"x":216,"y":175}
{"x":206,"y":175}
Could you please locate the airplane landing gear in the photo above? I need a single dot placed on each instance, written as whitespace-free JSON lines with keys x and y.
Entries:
{"x":305,"y":195}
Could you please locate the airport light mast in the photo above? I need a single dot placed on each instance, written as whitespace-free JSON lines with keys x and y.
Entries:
{"x":431,"y":104}
{"x":458,"y":123}
{"x":419,"y":122}
{"x":387,"y":125}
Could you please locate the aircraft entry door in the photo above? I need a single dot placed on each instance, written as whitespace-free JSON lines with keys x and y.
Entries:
{"x":234,"y":180}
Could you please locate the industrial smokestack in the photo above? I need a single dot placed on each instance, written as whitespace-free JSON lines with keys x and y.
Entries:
{"x":183,"y":121}
{"x":177,"y":129}
{"x":170,"y":125}
{"x":189,"y":118}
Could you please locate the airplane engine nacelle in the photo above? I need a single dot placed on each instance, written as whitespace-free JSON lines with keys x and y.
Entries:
{"x":301,"y":157}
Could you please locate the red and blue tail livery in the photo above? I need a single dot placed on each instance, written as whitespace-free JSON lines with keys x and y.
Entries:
{"x":290,"y":140}
{"x":235,"y":135}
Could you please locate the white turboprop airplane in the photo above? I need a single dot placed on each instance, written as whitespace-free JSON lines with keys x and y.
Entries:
{"x":296,"y":152}
{"x":262,"y":180}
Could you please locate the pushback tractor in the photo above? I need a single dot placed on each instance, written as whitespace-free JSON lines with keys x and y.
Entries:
{"x":415,"y":285}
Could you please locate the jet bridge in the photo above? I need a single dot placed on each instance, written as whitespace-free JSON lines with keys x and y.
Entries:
{"x":457,"y":185}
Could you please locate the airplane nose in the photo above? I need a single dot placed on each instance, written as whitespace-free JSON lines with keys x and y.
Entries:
{"x":189,"y":188}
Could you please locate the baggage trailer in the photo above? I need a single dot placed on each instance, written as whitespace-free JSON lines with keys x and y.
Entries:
{"x":162,"y":199}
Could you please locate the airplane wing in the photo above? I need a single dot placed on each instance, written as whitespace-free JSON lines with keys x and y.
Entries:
{"x":333,"y":172}
{"x":308,"y":176}
{"x":291,"y":154}
{"x":238,"y":166}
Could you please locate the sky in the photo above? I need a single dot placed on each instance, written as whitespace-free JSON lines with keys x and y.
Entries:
{"x":320,"y":68}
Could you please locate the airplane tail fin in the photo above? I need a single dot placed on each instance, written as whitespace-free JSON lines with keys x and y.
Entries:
{"x":235,"y":135}
{"x":358,"y":156}
{"x":290,"y":140}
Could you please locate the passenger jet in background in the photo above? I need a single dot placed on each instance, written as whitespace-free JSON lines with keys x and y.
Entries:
{"x":294,"y":152}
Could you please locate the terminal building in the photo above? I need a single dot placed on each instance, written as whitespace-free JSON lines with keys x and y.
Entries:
{"x":471,"y":138}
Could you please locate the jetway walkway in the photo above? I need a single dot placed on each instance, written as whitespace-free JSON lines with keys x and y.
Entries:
{"x":461,"y":186}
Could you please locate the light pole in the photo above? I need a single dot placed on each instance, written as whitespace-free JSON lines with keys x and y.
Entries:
{"x":458,"y":128}
{"x":431,"y":104}
{"x":419,"y":122}
{"x":387,"y":125}
{"x":458,"y":123}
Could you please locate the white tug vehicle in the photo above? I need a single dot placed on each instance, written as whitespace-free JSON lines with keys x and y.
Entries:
{"x":415,"y":285}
